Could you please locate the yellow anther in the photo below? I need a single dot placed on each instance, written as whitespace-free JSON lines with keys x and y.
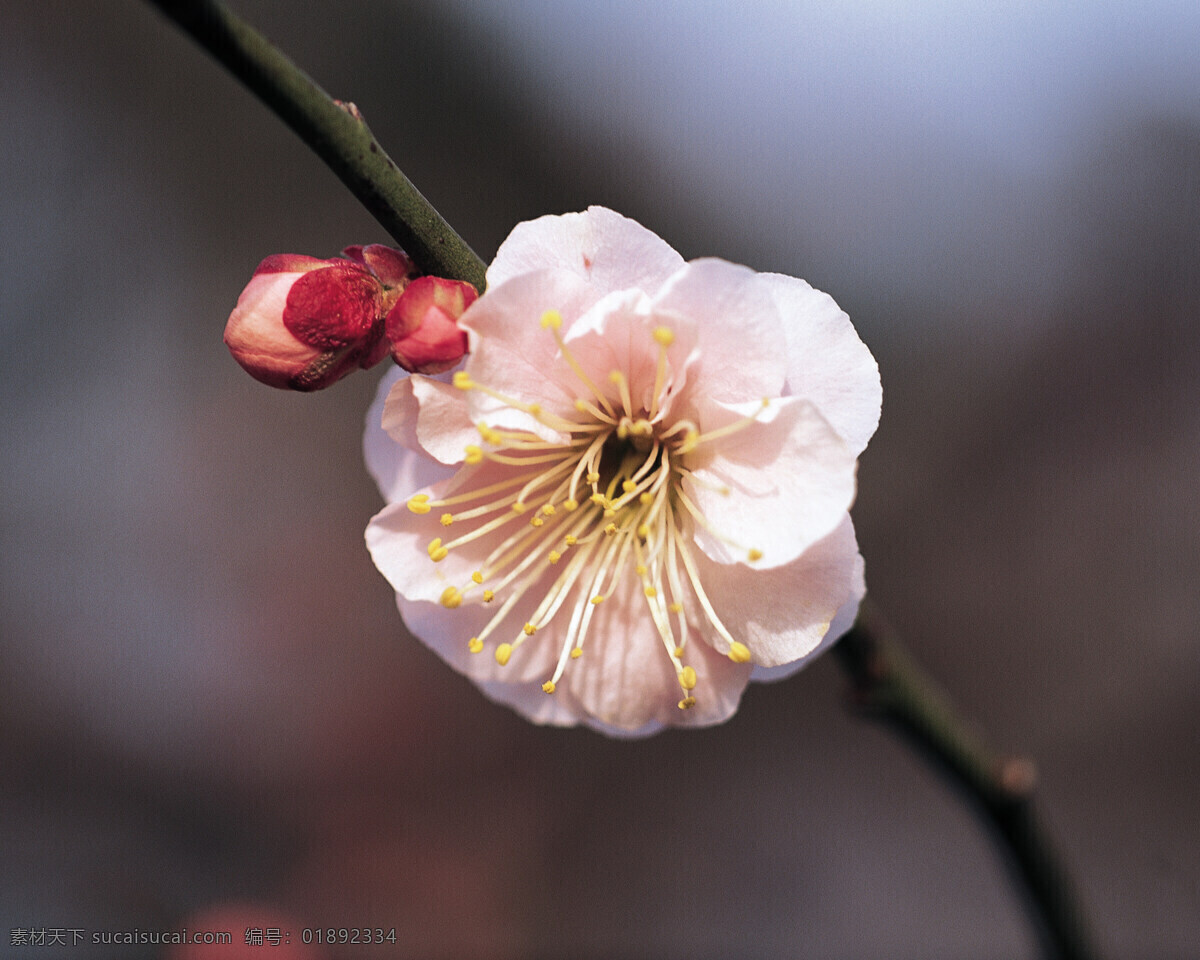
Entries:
{"x":535,"y":409}
{"x":678,"y":652}
{"x":536,"y":522}
{"x":551,"y":320}
{"x":529,"y":629}
{"x":690,"y":439}
{"x":676,"y":607}
{"x":477,"y":576}
{"x":616,"y":377}
{"x":473,"y":454}
{"x":687,"y":678}
{"x":628,"y":486}
{"x":475,"y":645}
{"x":548,"y":686}
{"x":554,"y":556}
{"x":489,"y":596}
{"x":687,"y":703}
{"x":599,"y":498}
{"x":451,"y":598}
{"x":435,"y":550}
{"x":598,"y":598}
{"x":519,"y":507}
{"x":447,"y":519}
{"x":650,"y":592}
{"x":577,"y":653}
{"x":592,"y":478}
{"x":739,"y":652}
{"x":753,"y":555}
{"x":766,"y":402}
{"x":419,"y":503}
{"x":462,"y":380}
{"x":664,"y":336}
{"x":646,"y":499}
{"x":548,"y":509}
{"x":570,"y":540}
{"x":640,"y":570}
{"x":643,"y":530}
{"x":609,"y":513}
{"x":503,"y":652}
{"x":610,"y":529}
{"x":581,"y":406}
{"x":570,"y":505}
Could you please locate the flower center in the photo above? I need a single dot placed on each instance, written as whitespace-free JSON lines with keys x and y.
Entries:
{"x":569,"y":518}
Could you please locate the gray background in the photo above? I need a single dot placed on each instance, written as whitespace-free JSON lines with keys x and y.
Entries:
{"x":209,"y":709}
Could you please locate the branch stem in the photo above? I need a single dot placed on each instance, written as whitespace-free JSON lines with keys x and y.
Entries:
{"x":889,"y":685}
{"x":335,"y":132}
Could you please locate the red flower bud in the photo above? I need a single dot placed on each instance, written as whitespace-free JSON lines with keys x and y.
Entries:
{"x":422,"y":327}
{"x":303,"y":323}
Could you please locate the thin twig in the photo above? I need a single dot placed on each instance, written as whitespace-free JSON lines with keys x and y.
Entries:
{"x":889,"y":685}
{"x":336,"y":132}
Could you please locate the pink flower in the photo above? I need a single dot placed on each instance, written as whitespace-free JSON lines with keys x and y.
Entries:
{"x":303,"y":323}
{"x":633,"y":499}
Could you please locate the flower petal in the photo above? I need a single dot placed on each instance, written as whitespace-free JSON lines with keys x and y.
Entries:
{"x":843,"y":620}
{"x":397,"y":462}
{"x":789,"y":476}
{"x":738,"y":330}
{"x":785,"y":613}
{"x":827,"y":363}
{"x":625,"y":680}
{"x":512,"y":353}
{"x":608,"y":251}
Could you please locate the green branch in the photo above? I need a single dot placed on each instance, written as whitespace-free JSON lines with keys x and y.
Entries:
{"x":336,"y":133}
{"x":889,"y":685}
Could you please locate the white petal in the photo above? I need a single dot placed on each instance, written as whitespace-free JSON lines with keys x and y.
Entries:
{"x":609,"y":251}
{"x":617,"y":333}
{"x":827,"y":363}
{"x":842,"y":622}
{"x":399,"y":466}
{"x":785,"y":613}
{"x":510,"y":350}
{"x":738,"y":330}
{"x":789,"y":476}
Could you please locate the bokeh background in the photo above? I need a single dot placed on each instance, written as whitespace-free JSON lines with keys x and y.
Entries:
{"x":209,"y":708}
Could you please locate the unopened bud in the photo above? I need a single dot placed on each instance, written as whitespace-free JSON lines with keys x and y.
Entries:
{"x":303,"y":323}
{"x":423,"y":325}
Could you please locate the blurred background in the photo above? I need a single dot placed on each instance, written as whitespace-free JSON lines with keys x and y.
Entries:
{"x":209,"y":707}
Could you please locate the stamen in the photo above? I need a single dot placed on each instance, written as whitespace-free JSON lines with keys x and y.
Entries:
{"x":617,"y":377}
{"x":664,"y":337}
{"x":578,"y":370}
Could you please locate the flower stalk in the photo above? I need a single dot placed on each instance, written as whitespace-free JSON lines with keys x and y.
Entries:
{"x":886,"y":680}
{"x":336,"y":132}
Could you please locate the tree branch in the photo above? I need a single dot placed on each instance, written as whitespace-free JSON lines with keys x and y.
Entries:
{"x":337,"y":134}
{"x":889,"y":685}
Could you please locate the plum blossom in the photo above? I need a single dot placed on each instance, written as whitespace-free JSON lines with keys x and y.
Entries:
{"x":633,"y":499}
